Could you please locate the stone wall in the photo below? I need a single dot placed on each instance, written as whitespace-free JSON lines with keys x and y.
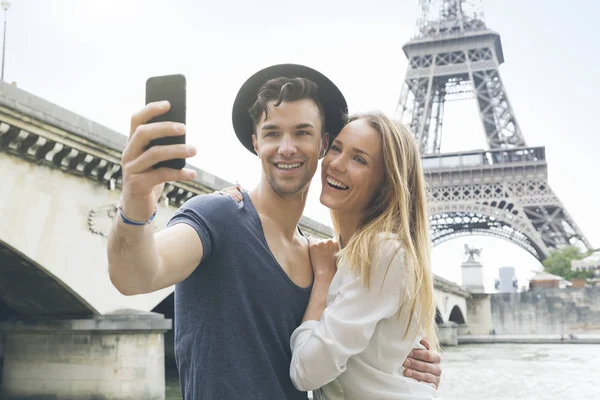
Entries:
{"x":583,"y":297}
{"x":118,"y":357}
{"x":546,"y":311}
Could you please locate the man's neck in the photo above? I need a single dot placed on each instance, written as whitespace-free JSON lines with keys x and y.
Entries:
{"x":285,"y":211}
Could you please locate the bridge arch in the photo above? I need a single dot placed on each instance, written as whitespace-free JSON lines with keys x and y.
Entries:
{"x":497,"y":219}
{"x":447,"y":296}
{"x":29,"y":290}
{"x":456,"y":315}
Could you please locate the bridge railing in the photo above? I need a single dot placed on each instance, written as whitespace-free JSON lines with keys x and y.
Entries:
{"x":481,"y":158}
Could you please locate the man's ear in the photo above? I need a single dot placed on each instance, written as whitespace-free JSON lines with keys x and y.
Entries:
{"x":255,"y":143}
{"x":324,"y":145}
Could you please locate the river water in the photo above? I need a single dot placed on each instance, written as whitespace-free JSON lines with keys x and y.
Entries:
{"x":521,"y":371}
{"x":508,"y":372}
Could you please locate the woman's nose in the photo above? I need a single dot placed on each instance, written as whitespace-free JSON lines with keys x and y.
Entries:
{"x":338,"y":164}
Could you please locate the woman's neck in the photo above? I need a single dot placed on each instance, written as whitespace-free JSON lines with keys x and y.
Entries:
{"x":348,"y":225}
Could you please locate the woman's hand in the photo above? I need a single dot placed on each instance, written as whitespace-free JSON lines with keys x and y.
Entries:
{"x":424,"y":365}
{"x":322,"y":258}
{"x":235,"y":192}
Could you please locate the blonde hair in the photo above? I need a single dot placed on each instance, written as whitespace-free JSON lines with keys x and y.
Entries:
{"x":399,"y":208}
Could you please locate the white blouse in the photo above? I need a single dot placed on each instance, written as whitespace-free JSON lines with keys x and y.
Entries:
{"x":356,"y":350}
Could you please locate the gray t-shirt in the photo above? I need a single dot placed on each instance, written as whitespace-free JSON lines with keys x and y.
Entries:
{"x":235,"y":314}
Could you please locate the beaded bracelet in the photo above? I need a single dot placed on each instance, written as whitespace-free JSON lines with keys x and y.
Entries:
{"x":135,"y":223}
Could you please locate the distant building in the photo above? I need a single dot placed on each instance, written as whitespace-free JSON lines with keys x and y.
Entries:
{"x":579,"y":282}
{"x":544,"y":280}
{"x":590,"y":263}
{"x":507,"y":280}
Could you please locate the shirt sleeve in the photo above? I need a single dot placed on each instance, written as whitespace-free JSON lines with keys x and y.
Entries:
{"x":321,"y":349}
{"x":211,"y":216}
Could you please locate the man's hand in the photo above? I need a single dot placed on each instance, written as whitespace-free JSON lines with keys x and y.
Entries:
{"x":424,"y":365}
{"x":142,"y":184}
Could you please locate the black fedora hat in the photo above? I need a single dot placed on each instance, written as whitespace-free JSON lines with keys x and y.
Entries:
{"x":331,"y":97}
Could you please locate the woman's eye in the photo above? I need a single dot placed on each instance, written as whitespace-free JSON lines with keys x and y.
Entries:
{"x":360,"y":160}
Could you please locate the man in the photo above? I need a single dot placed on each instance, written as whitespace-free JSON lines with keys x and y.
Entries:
{"x":242,"y":271}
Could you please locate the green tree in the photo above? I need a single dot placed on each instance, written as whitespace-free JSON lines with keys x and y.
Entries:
{"x":559,"y":263}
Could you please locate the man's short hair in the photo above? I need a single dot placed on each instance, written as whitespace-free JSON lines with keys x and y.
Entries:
{"x":285,"y":89}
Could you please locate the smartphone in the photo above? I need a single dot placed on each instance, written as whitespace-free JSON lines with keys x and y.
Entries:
{"x":173,"y":89}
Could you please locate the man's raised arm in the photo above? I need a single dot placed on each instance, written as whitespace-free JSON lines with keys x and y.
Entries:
{"x":140,"y":261}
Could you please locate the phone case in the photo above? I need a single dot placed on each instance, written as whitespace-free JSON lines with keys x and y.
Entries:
{"x":173,"y":89}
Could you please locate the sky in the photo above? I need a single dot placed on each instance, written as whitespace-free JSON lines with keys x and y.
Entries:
{"x":93,"y":58}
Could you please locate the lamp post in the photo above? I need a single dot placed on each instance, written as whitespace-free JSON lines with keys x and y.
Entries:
{"x":5,"y":6}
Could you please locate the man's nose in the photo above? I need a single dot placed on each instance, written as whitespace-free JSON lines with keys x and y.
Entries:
{"x":287,"y":146}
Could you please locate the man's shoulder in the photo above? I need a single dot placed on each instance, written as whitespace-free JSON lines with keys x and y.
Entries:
{"x":216,"y":210}
{"x":210,"y":203}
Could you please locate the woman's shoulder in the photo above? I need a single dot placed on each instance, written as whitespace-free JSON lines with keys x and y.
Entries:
{"x":388,"y":268}
{"x":389,"y":250}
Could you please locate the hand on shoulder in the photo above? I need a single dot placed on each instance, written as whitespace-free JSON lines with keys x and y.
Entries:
{"x":322,"y":256}
{"x":235,"y":192}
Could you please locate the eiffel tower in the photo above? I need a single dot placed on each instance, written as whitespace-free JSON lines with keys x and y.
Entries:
{"x":501,"y":192}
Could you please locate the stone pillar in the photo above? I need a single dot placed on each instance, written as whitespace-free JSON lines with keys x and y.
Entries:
{"x":472,"y":276}
{"x":448,"y":334}
{"x":479,"y":310}
{"x":118,"y":356}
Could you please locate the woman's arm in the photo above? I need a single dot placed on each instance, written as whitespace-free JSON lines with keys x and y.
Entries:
{"x":322,"y":259}
{"x":321,"y":349}
{"x":318,"y":299}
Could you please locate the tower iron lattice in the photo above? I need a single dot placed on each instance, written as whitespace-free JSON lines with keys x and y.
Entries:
{"x":503,"y":191}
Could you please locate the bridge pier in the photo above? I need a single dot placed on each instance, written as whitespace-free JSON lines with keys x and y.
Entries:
{"x":118,"y":356}
{"x":448,"y":333}
{"x":479,"y":310}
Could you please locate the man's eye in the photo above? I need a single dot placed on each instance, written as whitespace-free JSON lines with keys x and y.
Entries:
{"x":302,"y":133}
{"x":269,"y":134}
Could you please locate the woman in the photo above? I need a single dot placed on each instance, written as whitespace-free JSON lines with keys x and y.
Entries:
{"x":358,"y":330}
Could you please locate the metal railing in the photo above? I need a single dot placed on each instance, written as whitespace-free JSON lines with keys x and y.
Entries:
{"x":483,"y":158}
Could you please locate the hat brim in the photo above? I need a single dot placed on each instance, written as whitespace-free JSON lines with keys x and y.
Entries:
{"x":334,"y":103}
